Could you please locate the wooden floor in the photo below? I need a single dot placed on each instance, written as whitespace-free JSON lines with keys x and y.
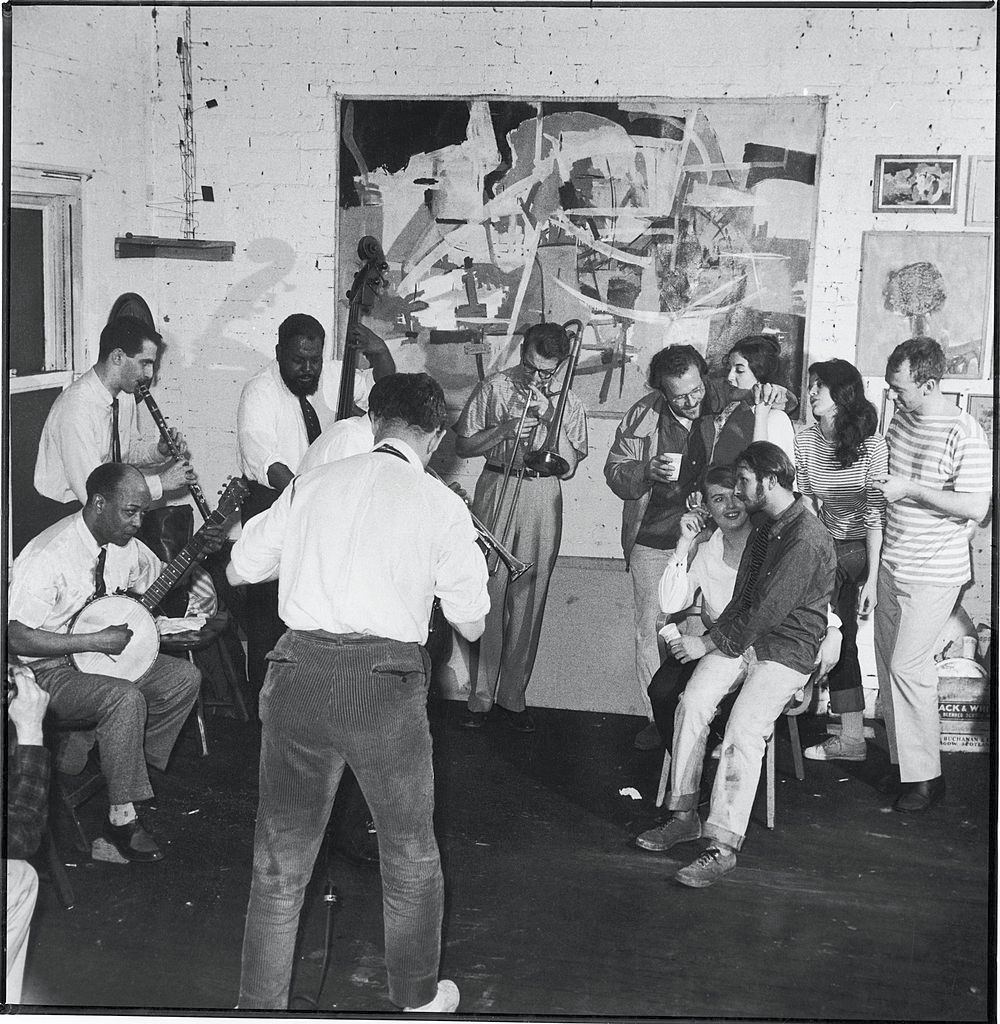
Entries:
{"x":845,"y":910}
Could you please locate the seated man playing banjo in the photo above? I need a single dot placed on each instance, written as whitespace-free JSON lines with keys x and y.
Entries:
{"x":87,"y":555}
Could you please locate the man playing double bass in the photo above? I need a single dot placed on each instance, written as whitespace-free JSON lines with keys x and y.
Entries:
{"x":489,"y":426}
{"x":283,"y":409}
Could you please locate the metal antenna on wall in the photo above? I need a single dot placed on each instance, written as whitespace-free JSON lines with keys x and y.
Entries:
{"x":187,"y":146}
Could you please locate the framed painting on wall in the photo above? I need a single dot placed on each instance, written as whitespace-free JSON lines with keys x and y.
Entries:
{"x":935,"y":283}
{"x":980,"y":209}
{"x":654,"y":221}
{"x":915,"y":184}
{"x":981,"y":410}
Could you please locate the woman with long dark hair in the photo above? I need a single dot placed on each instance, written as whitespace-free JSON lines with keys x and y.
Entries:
{"x":837,"y":460}
{"x":753,"y":362}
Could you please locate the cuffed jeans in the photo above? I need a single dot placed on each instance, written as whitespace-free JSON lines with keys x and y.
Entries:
{"x":908,"y":621}
{"x":767,"y":688}
{"x":646,"y":566}
{"x":329,"y":701}
{"x":846,"y":691}
{"x":137,"y":723}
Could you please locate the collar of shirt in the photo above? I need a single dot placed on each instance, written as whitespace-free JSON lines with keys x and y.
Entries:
{"x":92,"y":381}
{"x":403,"y":448}
{"x":796,"y":509}
{"x":87,"y":539}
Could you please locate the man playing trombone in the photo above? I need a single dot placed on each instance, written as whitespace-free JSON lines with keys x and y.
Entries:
{"x":521,"y":506}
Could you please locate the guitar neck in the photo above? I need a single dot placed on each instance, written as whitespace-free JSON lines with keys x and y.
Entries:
{"x":178,"y":566}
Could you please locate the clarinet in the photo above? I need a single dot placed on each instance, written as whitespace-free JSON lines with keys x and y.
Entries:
{"x":154,"y":411}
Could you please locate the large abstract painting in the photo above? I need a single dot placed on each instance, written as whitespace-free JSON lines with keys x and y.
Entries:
{"x":651,"y":221}
{"x":935,"y":283}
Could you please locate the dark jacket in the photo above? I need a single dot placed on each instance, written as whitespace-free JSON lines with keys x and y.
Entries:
{"x":27,"y":800}
{"x":787,"y":617}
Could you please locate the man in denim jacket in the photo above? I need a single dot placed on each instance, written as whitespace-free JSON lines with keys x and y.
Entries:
{"x":768,"y":641}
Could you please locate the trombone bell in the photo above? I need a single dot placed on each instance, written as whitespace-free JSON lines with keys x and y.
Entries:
{"x":546,"y":462}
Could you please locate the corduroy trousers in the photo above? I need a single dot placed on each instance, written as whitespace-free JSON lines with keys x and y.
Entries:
{"x":328,"y":701}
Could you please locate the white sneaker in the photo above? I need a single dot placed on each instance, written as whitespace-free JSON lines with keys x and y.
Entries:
{"x":446,"y":1000}
{"x":836,"y":748}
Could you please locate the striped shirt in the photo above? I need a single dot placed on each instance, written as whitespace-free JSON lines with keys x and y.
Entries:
{"x":850,"y":504}
{"x":947,"y":453}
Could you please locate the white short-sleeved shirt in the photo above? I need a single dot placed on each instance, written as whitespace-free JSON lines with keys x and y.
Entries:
{"x":341,"y":440}
{"x":269,"y":423}
{"x":54,"y":576}
{"x":364,"y":545}
{"x":76,"y":439}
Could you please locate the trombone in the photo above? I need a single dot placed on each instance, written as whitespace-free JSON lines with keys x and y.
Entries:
{"x":545,"y":461}
{"x":515,"y":566}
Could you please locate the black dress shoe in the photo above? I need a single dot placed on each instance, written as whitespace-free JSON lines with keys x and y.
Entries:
{"x":132,"y":841}
{"x":889,"y":783}
{"x":473,"y":719}
{"x":519,"y":721}
{"x":918,"y":797}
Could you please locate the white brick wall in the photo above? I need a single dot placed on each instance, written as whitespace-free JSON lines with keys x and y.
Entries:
{"x":897,"y":81}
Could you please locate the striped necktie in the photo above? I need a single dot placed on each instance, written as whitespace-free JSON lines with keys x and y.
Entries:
{"x":100,"y":588}
{"x":116,"y":443}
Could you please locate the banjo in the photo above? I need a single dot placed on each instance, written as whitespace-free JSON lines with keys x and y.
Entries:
{"x":136,"y":612}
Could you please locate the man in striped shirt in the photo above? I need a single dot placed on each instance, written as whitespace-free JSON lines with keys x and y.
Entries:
{"x":939,"y":485}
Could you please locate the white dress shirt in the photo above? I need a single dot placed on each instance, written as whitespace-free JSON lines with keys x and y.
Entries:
{"x":364,"y":545}
{"x":76,"y":439}
{"x":340,"y":440}
{"x":54,"y":576}
{"x":269,"y":423}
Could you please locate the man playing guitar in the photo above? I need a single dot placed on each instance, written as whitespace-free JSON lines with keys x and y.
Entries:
{"x":89,"y":554}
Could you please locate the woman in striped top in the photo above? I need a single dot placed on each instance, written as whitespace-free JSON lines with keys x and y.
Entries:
{"x":837,"y":460}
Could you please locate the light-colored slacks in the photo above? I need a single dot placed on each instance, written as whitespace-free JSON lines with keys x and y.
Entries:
{"x":646,"y":566}
{"x":509,"y":643}
{"x":767,"y":688}
{"x":909,"y":618}
{"x":22,"y":891}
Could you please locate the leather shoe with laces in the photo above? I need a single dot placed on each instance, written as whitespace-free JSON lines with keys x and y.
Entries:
{"x":708,"y":868}
{"x":473,"y":719}
{"x":669,"y":834}
{"x":519,"y":721}
{"x":918,"y":797}
{"x":132,"y":841}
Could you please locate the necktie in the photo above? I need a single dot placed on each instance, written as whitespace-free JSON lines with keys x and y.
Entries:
{"x":757,"y":552}
{"x":100,"y":589}
{"x":312,"y":420}
{"x":116,"y":444}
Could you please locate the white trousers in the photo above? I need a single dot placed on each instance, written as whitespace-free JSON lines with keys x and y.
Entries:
{"x":22,"y":891}
{"x":646,"y":566}
{"x":909,"y":618}
{"x":767,"y":688}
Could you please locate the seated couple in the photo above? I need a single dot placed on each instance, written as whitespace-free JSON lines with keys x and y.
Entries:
{"x":766,"y":576}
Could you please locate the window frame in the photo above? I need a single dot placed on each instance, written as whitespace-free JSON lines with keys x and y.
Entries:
{"x":58,"y":193}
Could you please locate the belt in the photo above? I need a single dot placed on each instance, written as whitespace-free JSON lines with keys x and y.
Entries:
{"x":528,"y":474}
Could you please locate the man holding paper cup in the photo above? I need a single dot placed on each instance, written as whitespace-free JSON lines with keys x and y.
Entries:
{"x":652,"y":468}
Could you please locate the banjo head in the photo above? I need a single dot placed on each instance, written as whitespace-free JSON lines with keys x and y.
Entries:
{"x":140,"y":652}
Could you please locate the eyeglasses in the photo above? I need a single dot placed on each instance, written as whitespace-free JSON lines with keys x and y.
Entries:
{"x":692,"y":397}
{"x":538,"y":371}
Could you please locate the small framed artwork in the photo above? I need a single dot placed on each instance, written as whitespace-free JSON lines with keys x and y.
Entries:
{"x":980,"y":211}
{"x":981,"y":410}
{"x":915,"y":184}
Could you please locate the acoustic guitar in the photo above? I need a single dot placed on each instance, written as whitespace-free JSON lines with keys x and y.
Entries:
{"x":136,"y":612}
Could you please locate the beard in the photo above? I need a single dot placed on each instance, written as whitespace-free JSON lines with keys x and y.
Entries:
{"x":755,"y":503}
{"x":299,"y":386}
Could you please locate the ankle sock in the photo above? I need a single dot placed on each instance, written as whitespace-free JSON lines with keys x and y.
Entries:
{"x":121,"y":814}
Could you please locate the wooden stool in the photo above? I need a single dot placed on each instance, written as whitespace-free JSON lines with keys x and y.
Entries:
{"x":186,"y":645}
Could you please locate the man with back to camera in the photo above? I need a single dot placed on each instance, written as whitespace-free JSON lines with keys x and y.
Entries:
{"x":939,"y":486}
{"x":766,"y":643}
{"x":360,"y":548}
{"x":88,"y":554}
{"x":283,"y":409}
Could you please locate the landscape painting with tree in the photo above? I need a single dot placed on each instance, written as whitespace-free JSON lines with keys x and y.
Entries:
{"x":652,"y":221}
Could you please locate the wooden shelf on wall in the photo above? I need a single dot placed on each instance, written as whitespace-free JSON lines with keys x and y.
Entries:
{"x":146,"y":247}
